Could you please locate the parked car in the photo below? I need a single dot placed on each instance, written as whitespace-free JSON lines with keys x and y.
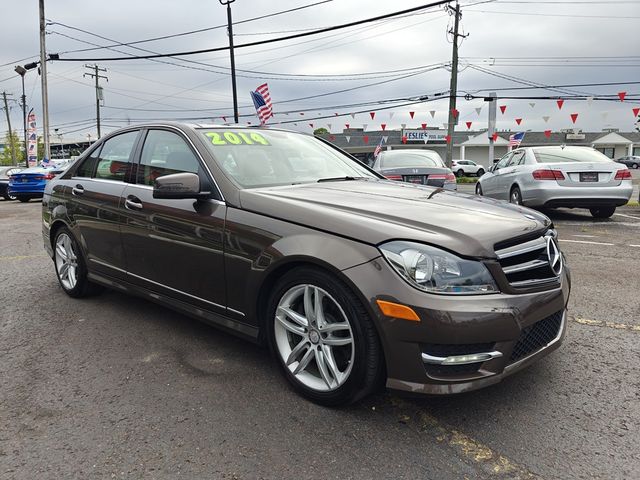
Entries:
{"x":550,"y":177}
{"x":422,"y":167}
{"x":30,"y":182}
{"x":5,"y":173}
{"x":632,"y":161}
{"x":352,"y":280}
{"x":466,"y":167}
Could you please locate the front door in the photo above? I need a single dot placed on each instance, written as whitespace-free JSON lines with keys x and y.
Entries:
{"x":172,"y":246}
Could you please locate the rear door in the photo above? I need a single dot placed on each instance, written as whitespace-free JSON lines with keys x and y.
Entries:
{"x":92,"y":197}
{"x":508,"y":174}
{"x":174,"y":246}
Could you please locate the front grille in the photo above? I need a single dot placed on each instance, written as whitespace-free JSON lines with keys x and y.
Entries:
{"x":446,"y":350}
{"x":536,"y":336}
{"x":527,"y":264}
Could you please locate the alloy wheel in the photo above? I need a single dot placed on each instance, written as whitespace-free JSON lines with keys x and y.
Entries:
{"x":314,"y":338}
{"x":515,"y":197}
{"x":66,"y":261}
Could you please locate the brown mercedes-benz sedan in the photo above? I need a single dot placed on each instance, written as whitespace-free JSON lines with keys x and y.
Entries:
{"x":351,"y":279}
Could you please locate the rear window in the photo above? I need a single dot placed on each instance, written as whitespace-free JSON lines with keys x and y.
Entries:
{"x":400,"y":159}
{"x":560,"y":155}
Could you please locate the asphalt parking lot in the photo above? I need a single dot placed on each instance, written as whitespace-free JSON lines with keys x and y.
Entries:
{"x":117,"y":387}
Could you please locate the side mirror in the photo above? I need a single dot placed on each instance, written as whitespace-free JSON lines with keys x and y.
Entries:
{"x":178,"y":185}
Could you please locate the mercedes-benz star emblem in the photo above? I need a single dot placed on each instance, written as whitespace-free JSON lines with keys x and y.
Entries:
{"x":554,"y":256}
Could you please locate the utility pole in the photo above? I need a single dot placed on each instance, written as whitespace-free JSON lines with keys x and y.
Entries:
{"x":491,"y":130}
{"x":453,"y":89}
{"x":11,"y":143}
{"x":43,"y":79}
{"x":96,"y":74}
{"x":233,"y":61}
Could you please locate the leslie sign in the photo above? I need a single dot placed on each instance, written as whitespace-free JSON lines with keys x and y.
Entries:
{"x":425,"y":136}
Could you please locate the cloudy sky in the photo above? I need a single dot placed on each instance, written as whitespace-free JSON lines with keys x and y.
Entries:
{"x":511,"y":44}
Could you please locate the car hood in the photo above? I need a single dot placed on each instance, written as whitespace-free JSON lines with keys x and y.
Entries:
{"x":375,"y":211}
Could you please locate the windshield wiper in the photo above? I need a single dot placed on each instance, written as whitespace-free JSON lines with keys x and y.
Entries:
{"x":339,"y":179}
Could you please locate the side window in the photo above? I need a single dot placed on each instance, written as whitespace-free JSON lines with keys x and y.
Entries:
{"x":88,"y":165}
{"x":165,"y":153}
{"x":114,"y":161}
{"x":517,"y":158}
{"x":503,"y":161}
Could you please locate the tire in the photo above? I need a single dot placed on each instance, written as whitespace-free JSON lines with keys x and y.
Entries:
{"x":602,"y":212}
{"x":354,"y":367}
{"x":515,"y":196}
{"x":635,"y":165}
{"x":8,"y":197}
{"x":460,"y":173}
{"x":480,"y":172}
{"x":23,"y":199}
{"x":478,"y":189}
{"x":71,"y":268}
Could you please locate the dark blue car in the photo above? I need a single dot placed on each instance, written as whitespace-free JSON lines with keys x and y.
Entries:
{"x":30,"y":183}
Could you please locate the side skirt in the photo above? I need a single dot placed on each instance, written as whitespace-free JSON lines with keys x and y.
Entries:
{"x":227,"y":324}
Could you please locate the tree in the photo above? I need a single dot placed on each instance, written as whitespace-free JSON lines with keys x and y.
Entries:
{"x":12,"y":143}
{"x":320,"y":131}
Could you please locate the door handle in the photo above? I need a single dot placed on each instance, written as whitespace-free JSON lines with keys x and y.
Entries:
{"x":77,"y":190}
{"x":133,"y":203}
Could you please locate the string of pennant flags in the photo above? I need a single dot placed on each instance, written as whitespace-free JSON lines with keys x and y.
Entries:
{"x":264,"y":109}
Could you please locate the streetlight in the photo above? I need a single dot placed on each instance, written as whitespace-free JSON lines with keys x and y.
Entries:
{"x":233,"y":61}
{"x":22,"y":70}
{"x":59,"y":135}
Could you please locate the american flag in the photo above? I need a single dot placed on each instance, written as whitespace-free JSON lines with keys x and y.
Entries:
{"x":262,"y":101}
{"x":515,"y":139}
{"x":378,"y":149}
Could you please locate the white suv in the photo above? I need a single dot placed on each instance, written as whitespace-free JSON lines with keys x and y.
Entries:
{"x":466,"y":167}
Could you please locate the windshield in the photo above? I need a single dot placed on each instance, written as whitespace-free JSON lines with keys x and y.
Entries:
{"x":400,"y":159}
{"x":559,"y":155}
{"x":259,"y":158}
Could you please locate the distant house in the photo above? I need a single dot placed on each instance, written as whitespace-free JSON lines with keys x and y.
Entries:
{"x":474,"y":145}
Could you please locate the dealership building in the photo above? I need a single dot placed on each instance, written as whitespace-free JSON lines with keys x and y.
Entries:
{"x":474,"y":145}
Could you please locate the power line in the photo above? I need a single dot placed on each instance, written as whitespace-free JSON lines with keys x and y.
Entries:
{"x":121,"y":44}
{"x":261,"y":42}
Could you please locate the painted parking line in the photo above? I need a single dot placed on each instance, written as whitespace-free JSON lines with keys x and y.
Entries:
{"x":627,"y":216}
{"x":587,"y":242}
{"x":22,"y":257}
{"x":632,"y":245}
{"x":585,"y":236}
{"x":602,"y":323}
{"x":490,"y":462}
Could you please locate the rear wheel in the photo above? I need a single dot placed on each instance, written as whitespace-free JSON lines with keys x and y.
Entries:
{"x":71,"y":268}
{"x":478,"y":189}
{"x":515,"y":197}
{"x":23,"y":198}
{"x":602,"y":212}
{"x":635,"y":165}
{"x":323,"y":338}
{"x":8,"y":196}
{"x":480,"y":172}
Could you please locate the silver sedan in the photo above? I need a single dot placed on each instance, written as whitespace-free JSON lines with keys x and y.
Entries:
{"x":559,"y":176}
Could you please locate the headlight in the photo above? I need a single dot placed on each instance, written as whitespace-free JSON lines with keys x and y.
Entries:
{"x":436,"y":271}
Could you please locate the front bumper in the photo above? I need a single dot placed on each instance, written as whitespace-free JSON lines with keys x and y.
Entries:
{"x":550,"y":194}
{"x":494,"y":322}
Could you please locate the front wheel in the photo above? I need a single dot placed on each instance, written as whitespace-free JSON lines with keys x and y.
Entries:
{"x":480,"y":172}
{"x":460,"y":173}
{"x":323,"y":338}
{"x":478,"y":189}
{"x":602,"y":212}
{"x":635,"y":165}
{"x":71,"y":269}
